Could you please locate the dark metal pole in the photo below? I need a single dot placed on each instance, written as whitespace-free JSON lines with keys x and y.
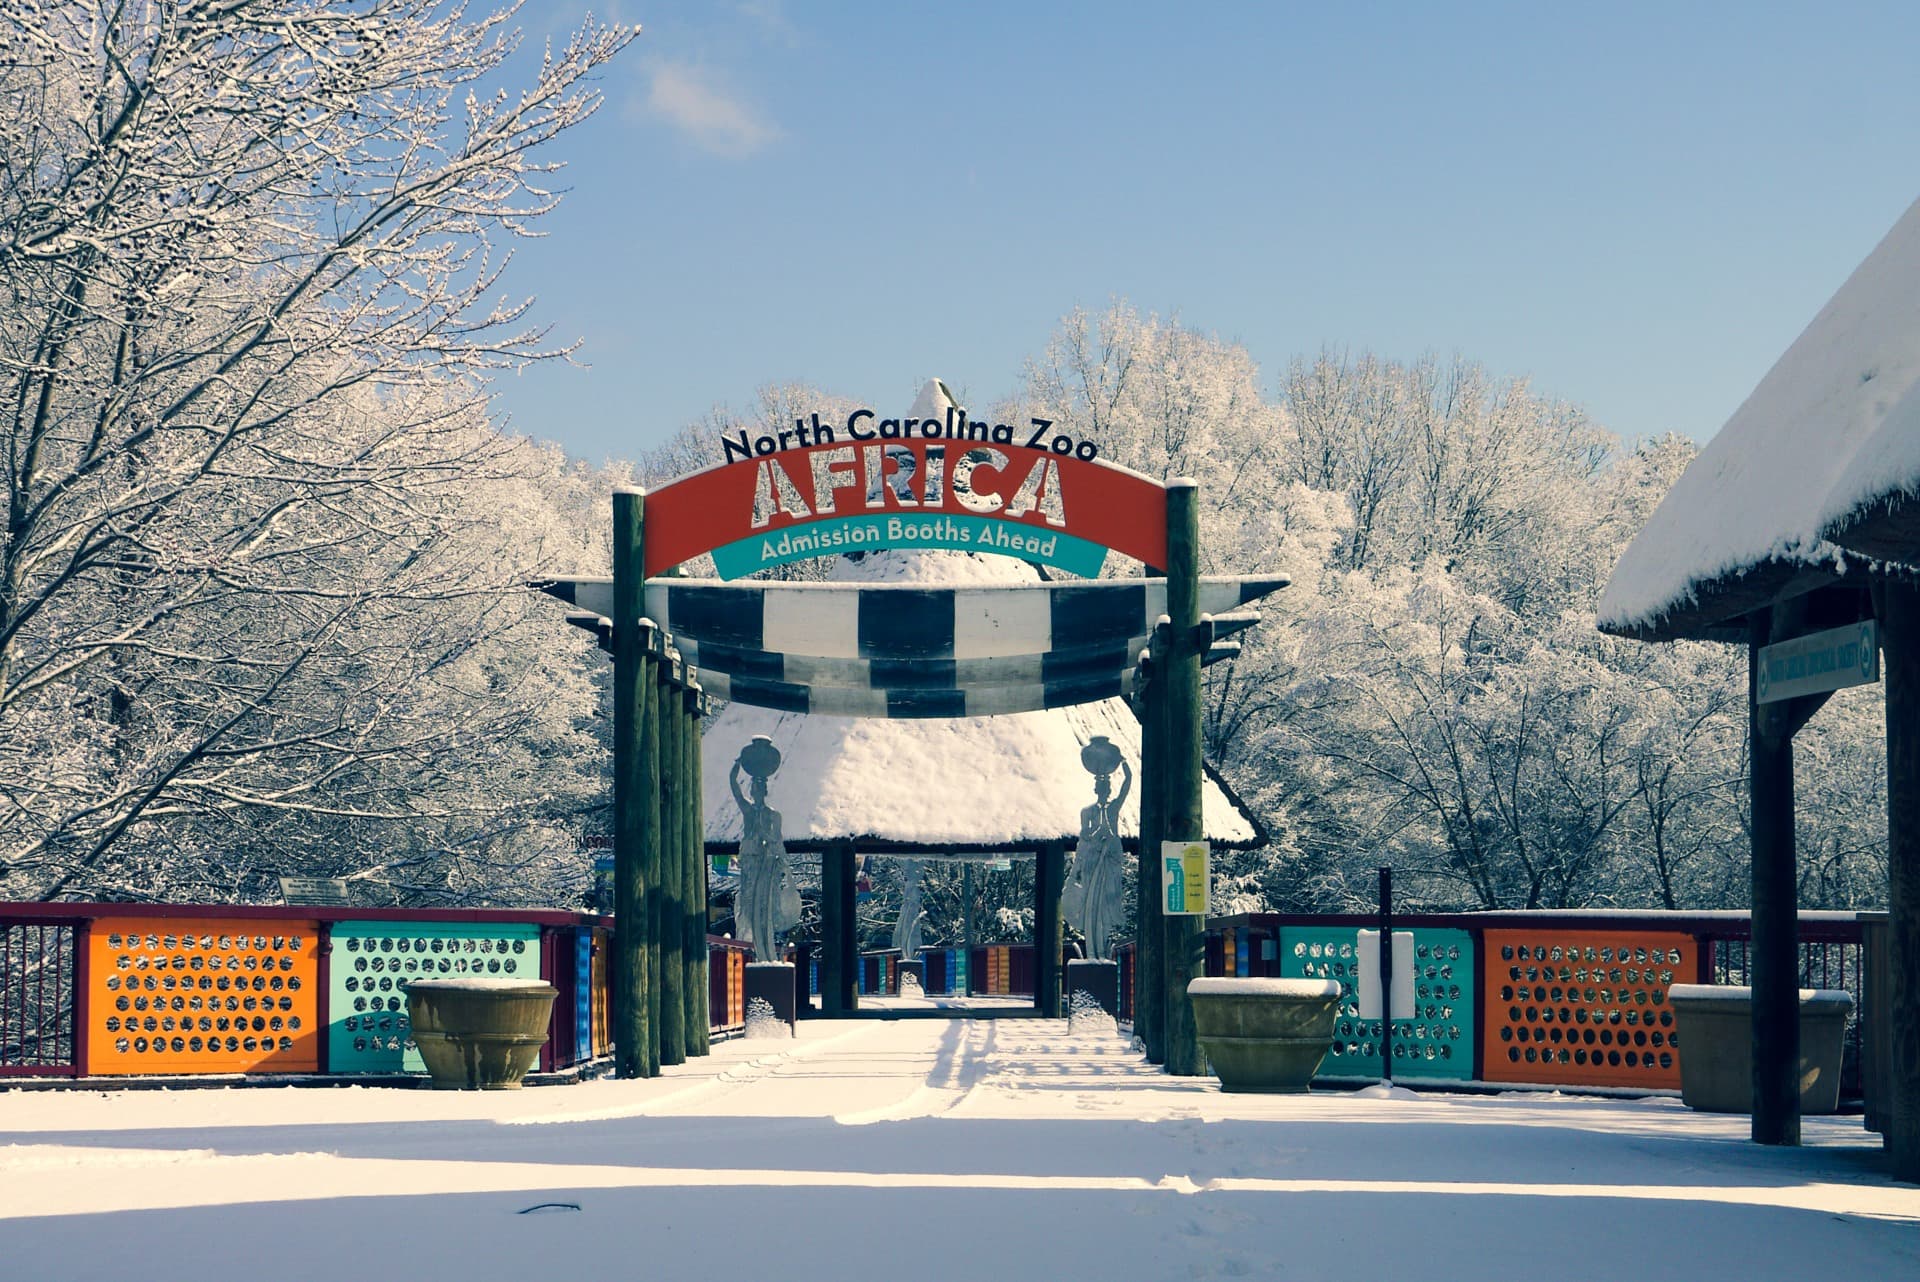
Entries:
{"x":650,"y":861}
{"x":630,"y":790}
{"x":1186,"y":936}
{"x":1386,"y":974}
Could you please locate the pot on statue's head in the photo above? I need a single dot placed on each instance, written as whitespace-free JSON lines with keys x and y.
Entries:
{"x":1100,"y":756}
{"x":760,"y":758}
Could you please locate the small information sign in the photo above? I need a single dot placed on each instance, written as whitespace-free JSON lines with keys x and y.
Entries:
{"x":1186,"y":878}
{"x":315,"y":892}
{"x":1819,"y":662}
{"x":1367,"y":962}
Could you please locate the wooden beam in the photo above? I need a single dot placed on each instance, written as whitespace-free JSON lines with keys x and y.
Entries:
{"x":699,"y":1017}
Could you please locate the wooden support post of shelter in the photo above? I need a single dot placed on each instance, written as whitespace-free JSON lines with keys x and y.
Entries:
{"x":1149,"y":981}
{"x":1897,"y":603}
{"x":1049,"y":879}
{"x":673,"y":934}
{"x":693,"y":853}
{"x":632,"y":792}
{"x":1775,"y":948}
{"x":1186,"y":936}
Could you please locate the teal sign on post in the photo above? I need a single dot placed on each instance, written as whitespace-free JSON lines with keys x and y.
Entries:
{"x":1819,"y":662}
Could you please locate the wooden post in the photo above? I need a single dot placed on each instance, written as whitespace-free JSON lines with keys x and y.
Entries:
{"x":846,"y":940}
{"x":673,"y":903}
{"x":1774,"y":972}
{"x":630,"y":790}
{"x":1186,"y":937}
{"x":699,"y":1016}
{"x":650,"y":868}
{"x":1149,"y":979}
{"x":1897,"y":602}
{"x":966,"y":929}
{"x":1049,"y":879}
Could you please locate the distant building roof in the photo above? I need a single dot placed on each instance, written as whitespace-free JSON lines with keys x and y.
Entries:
{"x":1829,"y":441}
{"x":969,"y":784}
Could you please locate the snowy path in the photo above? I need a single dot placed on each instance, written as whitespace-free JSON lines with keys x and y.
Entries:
{"x":927,"y":1150}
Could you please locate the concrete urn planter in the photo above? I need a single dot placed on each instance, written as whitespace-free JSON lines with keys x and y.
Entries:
{"x":479,"y":1033}
{"x":1266,"y":1035}
{"x":1715,"y":1024}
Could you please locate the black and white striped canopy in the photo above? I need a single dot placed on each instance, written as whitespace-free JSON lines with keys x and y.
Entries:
{"x":886,"y":622}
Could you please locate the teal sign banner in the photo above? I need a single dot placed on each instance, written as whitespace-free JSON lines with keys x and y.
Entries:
{"x":1819,"y":662}
{"x":865,"y":533}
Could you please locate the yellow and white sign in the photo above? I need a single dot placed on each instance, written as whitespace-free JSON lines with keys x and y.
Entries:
{"x":1186,"y":878}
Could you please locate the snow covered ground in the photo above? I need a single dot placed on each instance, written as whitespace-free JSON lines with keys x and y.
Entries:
{"x":927,"y":1150}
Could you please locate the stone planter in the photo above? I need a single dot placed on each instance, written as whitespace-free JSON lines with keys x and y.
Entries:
{"x":479,"y":1033}
{"x":1266,"y":1035}
{"x":1715,"y":1024}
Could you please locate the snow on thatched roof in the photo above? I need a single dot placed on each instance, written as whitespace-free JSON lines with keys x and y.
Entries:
{"x":1833,"y":428}
{"x":973,"y":783}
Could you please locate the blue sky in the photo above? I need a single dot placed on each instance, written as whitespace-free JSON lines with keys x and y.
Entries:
{"x":1636,"y":206}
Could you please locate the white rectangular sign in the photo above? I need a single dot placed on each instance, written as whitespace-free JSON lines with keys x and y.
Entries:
{"x":1366,"y":956}
{"x":1819,"y":662}
{"x":1186,"y":878}
{"x":316,"y":892}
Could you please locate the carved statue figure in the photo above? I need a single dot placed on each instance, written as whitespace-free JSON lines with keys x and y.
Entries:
{"x":913,"y":917}
{"x":1093,"y":897}
{"x":767,"y":903}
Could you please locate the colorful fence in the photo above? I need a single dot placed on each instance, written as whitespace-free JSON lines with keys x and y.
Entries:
{"x":879,"y":973}
{"x":946,"y":971}
{"x":119,"y":989}
{"x":1544,"y":998}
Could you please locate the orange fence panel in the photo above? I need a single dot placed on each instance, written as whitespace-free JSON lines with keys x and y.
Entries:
{"x":602,"y":1012}
{"x":1583,"y":1007}
{"x":216,"y":995}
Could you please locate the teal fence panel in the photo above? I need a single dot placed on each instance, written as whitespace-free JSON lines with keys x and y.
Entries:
{"x":1436,"y":1042}
{"x":373,"y":961}
{"x":583,"y":993}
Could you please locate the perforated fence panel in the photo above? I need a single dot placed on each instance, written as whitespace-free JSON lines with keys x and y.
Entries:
{"x":1584,"y":1007}
{"x":372,"y":963}
{"x":1436,"y":1042}
{"x":183,"y":995}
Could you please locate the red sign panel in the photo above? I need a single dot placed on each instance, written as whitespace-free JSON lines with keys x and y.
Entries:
{"x":1022,"y":501}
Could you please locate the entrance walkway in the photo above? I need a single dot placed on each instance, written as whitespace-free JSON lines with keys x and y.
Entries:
{"x":929,"y":1150}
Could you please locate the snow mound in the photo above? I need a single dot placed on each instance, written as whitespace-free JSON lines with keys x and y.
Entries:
{"x":1266,"y":986}
{"x":762,"y":1021}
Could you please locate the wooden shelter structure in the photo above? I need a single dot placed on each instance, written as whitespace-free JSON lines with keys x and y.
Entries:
{"x":964,"y":788}
{"x":1799,"y":519}
{"x":933,"y":478}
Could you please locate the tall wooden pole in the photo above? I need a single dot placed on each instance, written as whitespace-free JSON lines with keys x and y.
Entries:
{"x":673,"y":904}
{"x":1186,"y":937}
{"x":1149,"y":980}
{"x":966,"y":928}
{"x":1774,"y":971}
{"x":631,"y":694}
{"x":650,"y":868}
{"x":699,"y":1017}
{"x":1897,"y":602}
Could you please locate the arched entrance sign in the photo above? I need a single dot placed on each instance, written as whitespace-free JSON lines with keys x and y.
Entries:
{"x":932,"y":479}
{"x":947,"y":489}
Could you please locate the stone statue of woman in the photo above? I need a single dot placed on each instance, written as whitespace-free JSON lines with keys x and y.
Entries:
{"x":1094,"y":894}
{"x":766,"y":904}
{"x":912,"y":920}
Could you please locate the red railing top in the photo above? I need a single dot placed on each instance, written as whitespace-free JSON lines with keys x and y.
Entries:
{"x":1816,"y":926}
{"x":75,"y":912}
